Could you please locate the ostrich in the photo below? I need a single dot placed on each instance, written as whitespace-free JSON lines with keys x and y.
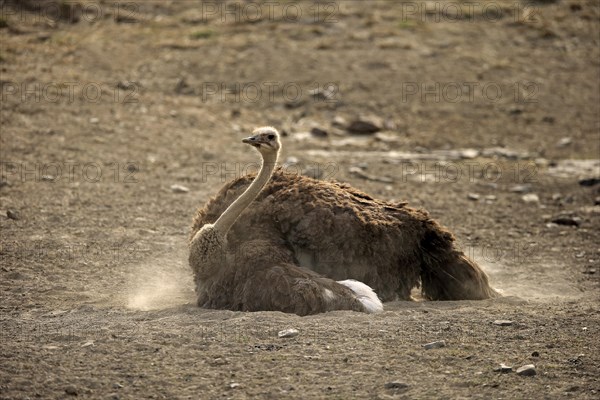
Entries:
{"x":257,"y":272}
{"x":342,"y":233}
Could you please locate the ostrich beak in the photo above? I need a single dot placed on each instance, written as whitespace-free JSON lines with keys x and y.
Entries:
{"x":255,"y":141}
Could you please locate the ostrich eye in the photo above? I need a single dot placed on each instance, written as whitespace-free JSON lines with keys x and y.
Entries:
{"x":271,"y":137}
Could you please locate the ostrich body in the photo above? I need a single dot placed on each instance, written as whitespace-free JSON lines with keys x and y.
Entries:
{"x":342,"y":233}
{"x":256,"y":272}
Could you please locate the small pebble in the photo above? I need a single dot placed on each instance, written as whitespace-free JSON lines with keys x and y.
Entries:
{"x":71,"y":390}
{"x":469,"y":153}
{"x":12,"y":214}
{"x":288,"y":333}
{"x":179,"y":189}
{"x":535,"y":354}
{"x":234,"y":385}
{"x":564,"y":142}
{"x":339,"y":121}
{"x":435,"y":345}
{"x":363,"y":126}
{"x":503,"y":368}
{"x":531,"y":198}
{"x":396,"y":385}
{"x":502,"y":322}
{"x":94,"y":120}
{"x":473,"y":196}
{"x":318,"y":132}
{"x":520,"y":188}
{"x":527,"y":370}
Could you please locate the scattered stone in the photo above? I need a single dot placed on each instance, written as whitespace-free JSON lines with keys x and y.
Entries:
{"x":527,"y":370}
{"x":339,"y":121}
{"x":469,"y":154}
{"x":531,"y":198}
{"x":3,"y":183}
{"x":87,"y":344}
{"x":520,"y":188}
{"x":71,"y":390}
{"x":323,"y":94}
{"x":396,"y":385}
{"x":363,"y":126}
{"x":490,"y":198}
{"x":548,"y":120}
{"x":503,"y":368}
{"x":596,"y":200}
{"x":567,"y":220}
{"x":126,"y":85}
{"x":535,"y":354}
{"x":234,"y":385}
{"x":514,"y":110}
{"x":12,"y":214}
{"x":318,"y":132}
{"x":564,"y":142}
{"x":502,"y":322}
{"x":179,"y":189}
{"x":473,"y":196}
{"x":288,"y":333}
{"x":435,"y":345}
{"x":117,"y":385}
{"x":94,"y":120}
{"x":589,"y":181}
{"x":590,"y":271}
{"x":113,"y":396}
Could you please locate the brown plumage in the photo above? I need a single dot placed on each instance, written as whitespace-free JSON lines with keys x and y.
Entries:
{"x":255,"y":269}
{"x":342,"y":233}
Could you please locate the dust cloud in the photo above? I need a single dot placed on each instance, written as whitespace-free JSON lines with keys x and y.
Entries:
{"x":160,"y":282}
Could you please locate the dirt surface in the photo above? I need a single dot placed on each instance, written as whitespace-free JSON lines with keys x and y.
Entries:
{"x":106,"y":106}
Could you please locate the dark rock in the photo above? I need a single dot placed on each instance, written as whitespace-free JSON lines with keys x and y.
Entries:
{"x":567,"y":221}
{"x":589,"y":181}
{"x":71,"y":390}
{"x":364,"y":127}
{"x":396,"y":385}
{"x":318,"y":132}
{"x":12,"y":214}
{"x":535,"y":354}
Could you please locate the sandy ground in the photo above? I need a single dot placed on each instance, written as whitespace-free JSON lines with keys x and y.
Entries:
{"x":489,"y":119}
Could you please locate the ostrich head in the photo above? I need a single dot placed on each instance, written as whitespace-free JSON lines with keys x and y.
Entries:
{"x":265,"y":140}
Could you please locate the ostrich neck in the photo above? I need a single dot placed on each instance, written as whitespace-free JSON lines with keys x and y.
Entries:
{"x":228,"y":218}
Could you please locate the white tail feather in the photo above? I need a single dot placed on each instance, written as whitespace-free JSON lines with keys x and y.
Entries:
{"x":365,"y":295}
